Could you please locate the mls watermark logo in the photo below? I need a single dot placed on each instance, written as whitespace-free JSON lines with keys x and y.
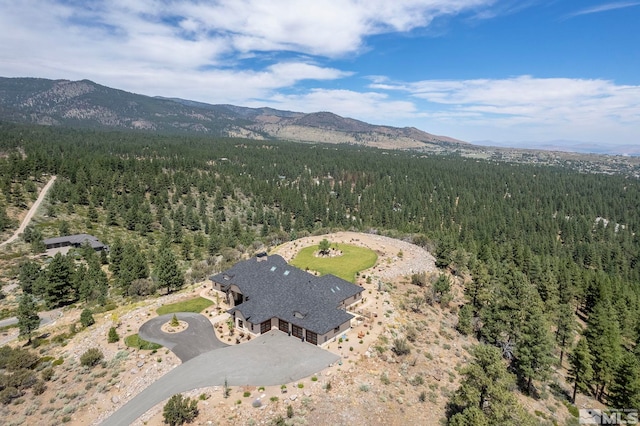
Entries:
{"x":594,"y":416}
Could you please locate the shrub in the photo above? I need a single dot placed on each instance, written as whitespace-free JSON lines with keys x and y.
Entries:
{"x":422,"y":397}
{"x":400,"y":346}
{"x":47,"y":374}
{"x":416,"y":380}
{"x":141,"y":287}
{"x":9,"y":394}
{"x":91,"y":357}
{"x":289,"y":411}
{"x":179,"y":410}
{"x":384,"y":378}
{"x":16,"y":359}
{"x":86,"y":318}
{"x":246,"y":394}
{"x":419,"y":279}
{"x":113,"y":337}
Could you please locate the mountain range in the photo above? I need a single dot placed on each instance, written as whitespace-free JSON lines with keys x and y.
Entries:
{"x":90,"y":105}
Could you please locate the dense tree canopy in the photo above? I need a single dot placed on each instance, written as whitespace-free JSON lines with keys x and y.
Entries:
{"x":536,"y":244}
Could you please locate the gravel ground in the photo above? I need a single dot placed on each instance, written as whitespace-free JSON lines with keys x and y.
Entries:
{"x":140,"y":368}
{"x":390,"y":265}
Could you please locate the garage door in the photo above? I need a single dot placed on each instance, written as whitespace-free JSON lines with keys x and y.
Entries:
{"x":283,"y":325}
{"x":296,"y":331}
{"x":265,"y":326}
{"x":312,"y":337}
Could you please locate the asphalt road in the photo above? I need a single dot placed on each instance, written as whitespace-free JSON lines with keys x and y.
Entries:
{"x":269,"y":359}
{"x":45,"y":318}
{"x":197,"y":339}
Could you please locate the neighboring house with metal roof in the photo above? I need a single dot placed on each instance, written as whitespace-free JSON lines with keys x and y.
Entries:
{"x":74,"y":241}
{"x":266,"y":292}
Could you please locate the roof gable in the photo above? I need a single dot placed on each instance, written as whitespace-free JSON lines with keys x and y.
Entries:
{"x":76,"y":239}
{"x":276,"y":289}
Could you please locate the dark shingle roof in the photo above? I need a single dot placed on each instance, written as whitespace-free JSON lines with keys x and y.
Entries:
{"x":276,"y":289}
{"x":77,"y":239}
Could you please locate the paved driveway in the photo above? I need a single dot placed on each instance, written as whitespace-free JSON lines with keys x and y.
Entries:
{"x":197,"y":339}
{"x":269,"y":359}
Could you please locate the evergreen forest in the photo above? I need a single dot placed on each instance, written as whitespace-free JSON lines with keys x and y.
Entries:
{"x":549,"y":256}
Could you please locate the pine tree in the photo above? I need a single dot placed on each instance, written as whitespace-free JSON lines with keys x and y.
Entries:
{"x":534,"y":347}
{"x":116,"y":254}
{"x":324,"y":246}
{"x":169,"y":275}
{"x":28,"y":274}
{"x":465,"y":316}
{"x":565,"y":327}
{"x":132,"y":267}
{"x":59,"y":287}
{"x":603,"y":337}
{"x":580,"y":370}
{"x":485,"y":394}
{"x":624,"y":391}
{"x":28,"y":319}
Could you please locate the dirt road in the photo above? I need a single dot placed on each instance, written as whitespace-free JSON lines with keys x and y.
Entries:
{"x":30,"y":213}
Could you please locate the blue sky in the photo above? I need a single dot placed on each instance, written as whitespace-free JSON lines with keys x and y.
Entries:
{"x":522,"y":72}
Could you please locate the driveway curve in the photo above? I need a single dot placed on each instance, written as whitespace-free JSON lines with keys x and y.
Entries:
{"x":197,"y":339}
{"x":270,"y":359}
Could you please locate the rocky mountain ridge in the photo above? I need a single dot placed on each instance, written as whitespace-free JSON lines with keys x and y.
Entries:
{"x":90,"y":105}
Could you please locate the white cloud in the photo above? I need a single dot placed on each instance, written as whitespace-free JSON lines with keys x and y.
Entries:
{"x":527,"y":107}
{"x":605,"y":7}
{"x":373,"y":107}
{"x":191,"y":47}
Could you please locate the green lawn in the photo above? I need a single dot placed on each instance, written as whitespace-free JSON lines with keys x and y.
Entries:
{"x":196,"y":305}
{"x":134,"y":341}
{"x":354,"y":259}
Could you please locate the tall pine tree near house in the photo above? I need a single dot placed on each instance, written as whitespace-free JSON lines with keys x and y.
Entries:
{"x":28,"y":319}
{"x":485,"y":395}
{"x":59,"y":288}
{"x":167,"y":270}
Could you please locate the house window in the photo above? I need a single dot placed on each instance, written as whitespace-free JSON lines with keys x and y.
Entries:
{"x":240,"y":324}
{"x":337,"y":329}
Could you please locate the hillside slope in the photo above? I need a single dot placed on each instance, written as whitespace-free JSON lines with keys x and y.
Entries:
{"x":90,"y":105}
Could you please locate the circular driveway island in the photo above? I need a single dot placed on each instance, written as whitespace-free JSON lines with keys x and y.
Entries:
{"x":197,"y":339}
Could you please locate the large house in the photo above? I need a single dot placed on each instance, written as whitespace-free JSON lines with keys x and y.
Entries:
{"x":266,"y":292}
{"x":74,"y":241}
